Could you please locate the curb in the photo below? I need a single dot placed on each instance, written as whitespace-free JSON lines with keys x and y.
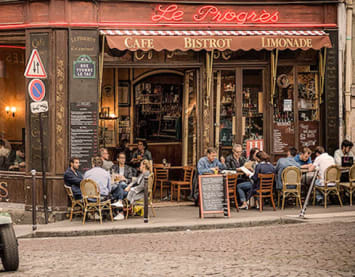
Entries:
{"x":157,"y":229}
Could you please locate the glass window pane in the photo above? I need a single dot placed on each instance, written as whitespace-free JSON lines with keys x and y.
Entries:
{"x":252,"y":107}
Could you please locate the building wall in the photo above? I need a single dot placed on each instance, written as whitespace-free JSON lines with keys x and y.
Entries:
{"x":352,"y":115}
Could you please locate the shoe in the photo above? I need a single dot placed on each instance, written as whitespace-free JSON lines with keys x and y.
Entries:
{"x":96,"y":217}
{"x":117,"y":204}
{"x":118,"y":217}
{"x":244,"y":207}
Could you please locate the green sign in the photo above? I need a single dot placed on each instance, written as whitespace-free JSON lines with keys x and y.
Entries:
{"x":84,"y":68}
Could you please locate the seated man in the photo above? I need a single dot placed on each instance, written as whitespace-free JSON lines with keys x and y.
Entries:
{"x":19,"y":162}
{"x":106,"y":164}
{"x":304,"y":158}
{"x":235,"y":160}
{"x":72,"y":177}
{"x":345,"y":151}
{"x":124,"y":176}
{"x":142,"y":153}
{"x":322,"y":162}
{"x":283,"y":163}
{"x":103,"y":180}
{"x":100,"y":176}
{"x":210,"y":164}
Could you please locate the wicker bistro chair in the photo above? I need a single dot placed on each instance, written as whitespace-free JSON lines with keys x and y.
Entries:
{"x":161,"y":179}
{"x":331,"y":176}
{"x":232,"y":188}
{"x":185,"y":184}
{"x":92,"y":201}
{"x":350,"y":186}
{"x":291,"y":184}
{"x":265,"y":189}
{"x":77,"y":206}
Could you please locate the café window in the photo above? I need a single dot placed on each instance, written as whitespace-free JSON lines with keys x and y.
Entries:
{"x":158,"y":108}
{"x":12,"y":109}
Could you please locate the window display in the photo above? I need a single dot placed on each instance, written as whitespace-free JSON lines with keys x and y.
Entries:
{"x":158,"y":110}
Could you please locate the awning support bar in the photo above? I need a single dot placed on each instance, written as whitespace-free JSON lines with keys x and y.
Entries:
{"x":322,"y":63}
{"x":274,"y":60}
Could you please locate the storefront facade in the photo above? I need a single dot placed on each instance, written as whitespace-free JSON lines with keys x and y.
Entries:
{"x":181,"y":76}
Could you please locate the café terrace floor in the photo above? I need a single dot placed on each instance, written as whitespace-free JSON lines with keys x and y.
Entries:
{"x":172,"y":216}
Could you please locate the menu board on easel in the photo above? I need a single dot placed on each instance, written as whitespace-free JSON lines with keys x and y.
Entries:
{"x":214,"y":196}
{"x":309,"y":134}
{"x":284,"y":137}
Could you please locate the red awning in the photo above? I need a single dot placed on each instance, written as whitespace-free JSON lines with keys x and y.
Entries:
{"x":218,"y":40}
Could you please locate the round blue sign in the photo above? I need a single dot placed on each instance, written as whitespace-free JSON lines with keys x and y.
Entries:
{"x":37,"y":90}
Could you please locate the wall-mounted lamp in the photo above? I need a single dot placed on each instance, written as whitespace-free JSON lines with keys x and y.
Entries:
{"x":12,"y":110}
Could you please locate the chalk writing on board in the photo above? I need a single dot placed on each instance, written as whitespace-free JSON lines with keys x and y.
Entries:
{"x":212,"y":192}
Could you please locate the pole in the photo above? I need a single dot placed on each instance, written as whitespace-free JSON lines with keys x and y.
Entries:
{"x":225,"y":196}
{"x":44,"y":185}
{"x":303,"y":211}
{"x":145,"y":199}
{"x":34,"y":216}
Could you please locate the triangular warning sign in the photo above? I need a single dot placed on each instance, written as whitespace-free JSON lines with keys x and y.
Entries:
{"x":35,"y":68}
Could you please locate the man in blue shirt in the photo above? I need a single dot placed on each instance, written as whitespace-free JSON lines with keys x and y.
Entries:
{"x":210,"y":164}
{"x":304,"y":158}
{"x":101,"y":177}
{"x":283,"y":163}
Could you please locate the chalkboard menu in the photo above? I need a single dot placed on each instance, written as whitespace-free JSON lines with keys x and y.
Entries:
{"x":83,"y":132}
{"x":309,"y":134}
{"x":284,"y":137}
{"x":214,"y":197}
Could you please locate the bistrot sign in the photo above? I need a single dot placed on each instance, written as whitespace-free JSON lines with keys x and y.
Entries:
{"x":36,"y":90}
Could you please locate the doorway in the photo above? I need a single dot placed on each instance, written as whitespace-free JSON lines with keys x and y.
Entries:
{"x":239,"y":105}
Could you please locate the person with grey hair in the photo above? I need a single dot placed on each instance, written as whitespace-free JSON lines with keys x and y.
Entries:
{"x":106,"y":164}
{"x":236,"y":159}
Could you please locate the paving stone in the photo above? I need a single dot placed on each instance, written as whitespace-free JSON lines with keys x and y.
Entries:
{"x":325,"y":249}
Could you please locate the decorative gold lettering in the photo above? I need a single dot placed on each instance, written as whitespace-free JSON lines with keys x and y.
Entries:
{"x":188,"y":43}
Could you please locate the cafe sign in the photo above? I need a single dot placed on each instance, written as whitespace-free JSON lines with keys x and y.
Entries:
{"x":84,"y":68}
{"x":217,"y":42}
{"x":210,"y":13}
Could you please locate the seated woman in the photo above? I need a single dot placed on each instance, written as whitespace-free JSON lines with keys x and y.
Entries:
{"x":263,"y":167}
{"x":244,"y":188}
{"x":136,"y":188}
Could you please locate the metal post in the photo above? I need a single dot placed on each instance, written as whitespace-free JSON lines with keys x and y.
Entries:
{"x":303,"y":211}
{"x":145,"y":199}
{"x":44,"y":185}
{"x":225,"y":200}
{"x":34,"y":216}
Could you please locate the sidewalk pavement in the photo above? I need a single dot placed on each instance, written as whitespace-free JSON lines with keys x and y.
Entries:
{"x":186,"y":218}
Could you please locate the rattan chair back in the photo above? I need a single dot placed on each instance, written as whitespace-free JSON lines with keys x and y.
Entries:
{"x":90,"y":190}
{"x":69,"y":192}
{"x":352,"y":174}
{"x":332,"y":175}
{"x":291,"y":176}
